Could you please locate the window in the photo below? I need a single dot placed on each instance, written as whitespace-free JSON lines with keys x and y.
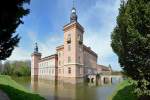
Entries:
{"x":59,"y":63}
{"x":69,"y":70}
{"x":81,"y":71}
{"x":59,"y":54}
{"x":52,"y":71}
{"x":79,"y":59}
{"x":59,"y":71}
{"x":80,"y":48}
{"x":69,"y":38}
{"x":80,"y":39}
{"x":69,"y":59}
{"x":69,"y":47}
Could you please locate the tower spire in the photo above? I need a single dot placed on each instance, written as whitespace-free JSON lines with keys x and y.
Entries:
{"x":73,"y":17}
{"x":73,"y":4}
{"x":36,"y":48}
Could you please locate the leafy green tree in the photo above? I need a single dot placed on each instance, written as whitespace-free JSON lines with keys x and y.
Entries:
{"x":11,"y":14}
{"x":131,"y":42}
{"x":1,"y":67}
{"x":21,"y":68}
{"x":7,"y":68}
{"x":17,"y":68}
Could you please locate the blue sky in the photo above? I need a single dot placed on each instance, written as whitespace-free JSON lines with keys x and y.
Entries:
{"x":45,"y":22}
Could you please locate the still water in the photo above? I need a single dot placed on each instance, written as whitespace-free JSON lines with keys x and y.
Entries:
{"x":59,"y":90}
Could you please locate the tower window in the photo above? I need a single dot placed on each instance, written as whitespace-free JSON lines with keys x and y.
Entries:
{"x":69,"y":70}
{"x":69,"y":38}
{"x":80,"y":39}
{"x":59,"y":71}
{"x":80,"y":48}
{"x":59,"y":63}
{"x":79,"y":59}
{"x":81,"y":71}
{"x":69,"y":59}
{"x":52,"y":71}
{"x":69,"y":47}
{"x":59,"y":54}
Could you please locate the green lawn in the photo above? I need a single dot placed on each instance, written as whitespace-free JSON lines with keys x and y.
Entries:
{"x":124,"y":91}
{"x":16,"y":91}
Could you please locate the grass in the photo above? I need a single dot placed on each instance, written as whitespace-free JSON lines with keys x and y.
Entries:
{"x":16,"y":91}
{"x":124,"y":91}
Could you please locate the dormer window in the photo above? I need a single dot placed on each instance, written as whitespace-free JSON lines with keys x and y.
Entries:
{"x":69,"y":38}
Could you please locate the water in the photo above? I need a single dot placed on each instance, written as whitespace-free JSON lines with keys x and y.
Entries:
{"x":59,"y":90}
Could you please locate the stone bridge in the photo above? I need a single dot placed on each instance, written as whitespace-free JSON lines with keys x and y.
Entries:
{"x":108,"y":78}
{"x":92,"y":78}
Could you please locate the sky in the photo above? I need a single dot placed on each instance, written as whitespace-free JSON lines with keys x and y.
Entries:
{"x":45,"y":22}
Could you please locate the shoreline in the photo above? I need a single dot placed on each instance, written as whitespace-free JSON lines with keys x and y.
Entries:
{"x":14,"y":91}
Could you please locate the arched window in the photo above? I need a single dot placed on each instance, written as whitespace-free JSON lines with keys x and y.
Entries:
{"x":69,"y":70}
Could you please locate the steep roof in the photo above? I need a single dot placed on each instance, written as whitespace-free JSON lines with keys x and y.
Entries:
{"x":103,"y":68}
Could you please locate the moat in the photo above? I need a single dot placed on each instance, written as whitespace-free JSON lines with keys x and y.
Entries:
{"x":58,"y":90}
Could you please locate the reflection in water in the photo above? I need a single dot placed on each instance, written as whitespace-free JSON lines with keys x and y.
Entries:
{"x":59,"y":90}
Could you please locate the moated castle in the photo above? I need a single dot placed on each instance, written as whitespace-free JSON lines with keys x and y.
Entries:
{"x":73,"y":60}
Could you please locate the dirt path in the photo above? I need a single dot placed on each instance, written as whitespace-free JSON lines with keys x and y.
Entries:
{"x":3,"y":95}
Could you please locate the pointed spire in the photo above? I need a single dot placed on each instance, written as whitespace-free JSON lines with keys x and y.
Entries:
{"x":73,"y":16}
{"x":73,"y":4}
{"x":36,"y":48}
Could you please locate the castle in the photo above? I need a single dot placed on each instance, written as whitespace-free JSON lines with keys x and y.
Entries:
{"x":73,"y":60}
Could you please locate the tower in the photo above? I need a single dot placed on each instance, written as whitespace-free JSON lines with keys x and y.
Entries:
{"x":73,"y":47}
{"x":35,"y":57}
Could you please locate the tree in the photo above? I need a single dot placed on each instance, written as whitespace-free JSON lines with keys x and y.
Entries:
{"x":17,"y":68}
{"x":131,"y":42}
{"x":11,"y":14}
{"x":7,"y":68}
{"x":1,"y":67}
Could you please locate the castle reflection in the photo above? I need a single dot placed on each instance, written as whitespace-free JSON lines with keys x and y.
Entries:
{"x":60,"y":90}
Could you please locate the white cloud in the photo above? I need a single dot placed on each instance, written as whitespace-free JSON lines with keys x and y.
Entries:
{"x":99,"y":21}
{"x":19,"y":54}
{"x":48,"y":46}
{"x":32,"y":35}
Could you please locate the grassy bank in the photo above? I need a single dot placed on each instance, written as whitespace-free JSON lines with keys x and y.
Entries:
{"x":124,"y":91}
{"x":16,"y":91}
